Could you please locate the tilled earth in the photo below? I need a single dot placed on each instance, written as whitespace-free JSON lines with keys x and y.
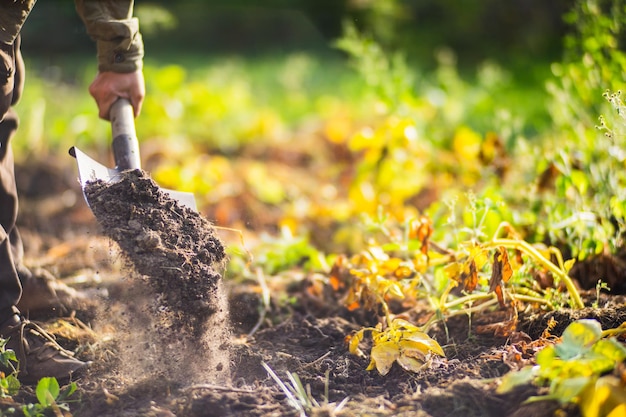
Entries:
{"x":143,"y":366}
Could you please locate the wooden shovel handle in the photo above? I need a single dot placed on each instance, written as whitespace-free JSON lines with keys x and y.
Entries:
{"x":125,"y":143}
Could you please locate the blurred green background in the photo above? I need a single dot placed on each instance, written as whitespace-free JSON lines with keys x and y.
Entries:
{"x":364,"y":104}
{"x":520,"y":31}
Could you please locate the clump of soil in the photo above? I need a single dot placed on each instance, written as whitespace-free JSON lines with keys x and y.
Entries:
{"x":174,"y":247}
{"x":174,"y":318}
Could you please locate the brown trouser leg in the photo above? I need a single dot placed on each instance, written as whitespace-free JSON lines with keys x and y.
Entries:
{"x":11,"y":85}
{"x":10,"y":287}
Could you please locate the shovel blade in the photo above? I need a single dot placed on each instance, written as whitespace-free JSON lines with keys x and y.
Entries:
{"x":91,"y":170}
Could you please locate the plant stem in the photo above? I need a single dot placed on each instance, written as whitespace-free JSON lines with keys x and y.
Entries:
{"x":487,"y":296}
{"x":529,"y":250}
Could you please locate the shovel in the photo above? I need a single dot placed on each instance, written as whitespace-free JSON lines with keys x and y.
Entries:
{"x":125,"y":153}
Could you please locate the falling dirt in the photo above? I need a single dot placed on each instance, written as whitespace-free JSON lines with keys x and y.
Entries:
{"x":174,"y":247}
{"x":175,"y":309}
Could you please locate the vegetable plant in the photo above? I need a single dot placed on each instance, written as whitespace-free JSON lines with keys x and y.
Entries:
{"x":577,"y":368}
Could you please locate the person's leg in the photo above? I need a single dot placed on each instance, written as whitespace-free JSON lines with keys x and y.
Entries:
{"x":40,"y":291}
{"x":19,"y":286}
{"x":38,"y":353}
{"x":10,"y":287}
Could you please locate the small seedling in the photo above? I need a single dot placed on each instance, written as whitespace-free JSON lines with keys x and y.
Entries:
{"x":600,"y":285}
{"x":299,"y":397}
{"x":9,"y":384}
{"x":51,"y":397}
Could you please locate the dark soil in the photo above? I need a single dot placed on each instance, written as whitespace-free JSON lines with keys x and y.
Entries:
{"x":174,"y":247}
{"x":143,"y":366}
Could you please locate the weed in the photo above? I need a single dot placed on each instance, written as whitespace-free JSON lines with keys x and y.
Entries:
{"x":9,"y":384}
{"x":50,"y":396}
{"x":600,"y":285}
{"x":575,"y":370}
{"x":299,"y":397}
{"x":478,"y":274}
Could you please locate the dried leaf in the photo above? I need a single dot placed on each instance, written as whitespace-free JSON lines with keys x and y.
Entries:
{"x":547,"y":178}
{"x":421,"y":229}
{"x":469,"y":276}
{"x":500,"y":329}
{"x":423,"y":343}
{"x":384,"y":355}
{"x":411,"y":364}
{"x":549,"y":327}
{"x":337,"y":273}
{"x":501,"y":272}
{"x":353,"y":306}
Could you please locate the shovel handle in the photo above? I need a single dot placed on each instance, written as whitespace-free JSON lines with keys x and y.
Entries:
{"x":125,"y":143}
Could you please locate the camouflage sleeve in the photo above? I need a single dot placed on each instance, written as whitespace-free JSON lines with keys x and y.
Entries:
{"x":116,"y":32}
{"x":12,"y":17}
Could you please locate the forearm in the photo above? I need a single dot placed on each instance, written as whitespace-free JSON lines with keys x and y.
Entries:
{"x":12,"y":17}
{"x":116,"y":32}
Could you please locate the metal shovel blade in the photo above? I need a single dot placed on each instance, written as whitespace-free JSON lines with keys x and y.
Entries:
{"x":125,"y":152}
{"x":90,"y":170}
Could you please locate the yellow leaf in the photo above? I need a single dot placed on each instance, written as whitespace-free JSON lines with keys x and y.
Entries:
{"x":353,"y":345}
{"x":414,"y":349}
{"x":424,"y":340}
{"x":605,"y":398}
{"x":466,"y":144}
{"x":389,"y":266}
{"x":403,"y":271}
{"x":410,"y":364}
{"x":479,"y":256}
{"x":384,"y":355}
{"x":619,"y":411}
{"x":453,"y":270}
{"x":567,"y":265}
{"x":402,"y":324}
{"x":394,"y":289}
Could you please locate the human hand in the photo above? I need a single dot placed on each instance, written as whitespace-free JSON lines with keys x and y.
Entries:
{"x":110,"y":86}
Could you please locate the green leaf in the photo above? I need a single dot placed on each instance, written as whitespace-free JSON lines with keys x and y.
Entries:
{"x":596,"y":363}
{"x":515,"y":379}
{"x":566,"y":390}
{"x":47,"y":391}
{"x":578,"y":338}
{"x":12,"y":384}
{"x":546,"y":357}
{"x":611,"y":349}
{"x":67,"y":391}
{"x":7,"y":357}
